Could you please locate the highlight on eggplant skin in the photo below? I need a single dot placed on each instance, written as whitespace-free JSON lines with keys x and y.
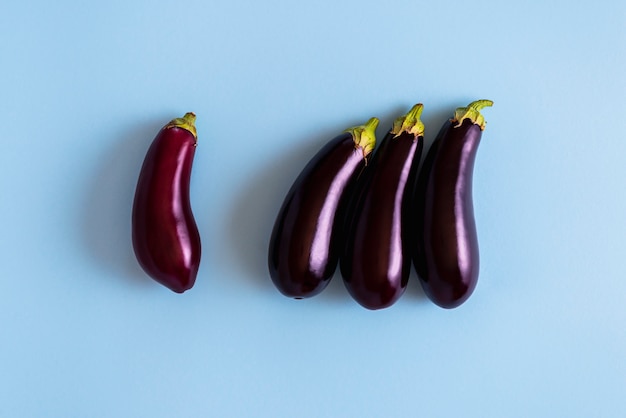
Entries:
{"x":446,"y":255}
{"x":376,"y":262}
{"x":306,"y":239}
{"x":165,"y":237}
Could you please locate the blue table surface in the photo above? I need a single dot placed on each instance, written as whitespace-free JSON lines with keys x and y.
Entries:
{"x":85,"y":88}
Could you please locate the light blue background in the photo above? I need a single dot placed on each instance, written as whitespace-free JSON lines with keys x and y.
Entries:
{"x":86,"y":86}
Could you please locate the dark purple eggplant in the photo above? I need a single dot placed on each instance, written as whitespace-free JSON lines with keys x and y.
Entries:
{"x":165,"y":236}
{"x":376,"y":261}
{"x":306,"y":240}
{"x":446,"y":248}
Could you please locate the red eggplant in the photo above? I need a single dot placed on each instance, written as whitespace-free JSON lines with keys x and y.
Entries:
{"x":306,"y":239}
{"x":377,"y":259}
{"x":165,"y":236}
{"x":446,"y":249}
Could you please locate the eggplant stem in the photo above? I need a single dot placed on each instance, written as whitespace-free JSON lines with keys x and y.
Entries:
{"x":187,"y":122}
{"x":410,"y":122}
{"x":472,"y":112}
{"x":364,"y":136}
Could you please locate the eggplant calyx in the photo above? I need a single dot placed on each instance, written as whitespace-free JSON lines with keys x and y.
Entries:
{"x":187,"y":122}
{"x":410,"y":122}
{"x":472,"y":112}
{"x":364,"y":136}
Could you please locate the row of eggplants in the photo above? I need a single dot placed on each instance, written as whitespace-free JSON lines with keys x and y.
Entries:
{"x":371,"y":212}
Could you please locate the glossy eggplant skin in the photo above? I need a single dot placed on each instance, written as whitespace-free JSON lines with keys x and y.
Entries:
{"x":376,"y":261}
{"x":164,"y":232}
{"x":446,"y":252}
{"x":306,"y":238}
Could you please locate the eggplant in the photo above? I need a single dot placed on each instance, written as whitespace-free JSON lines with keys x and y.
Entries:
{"x":376,"y":261}
{"x":164,"y":232}
{"x":446,"y":250}
{"x":306,"y":239}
